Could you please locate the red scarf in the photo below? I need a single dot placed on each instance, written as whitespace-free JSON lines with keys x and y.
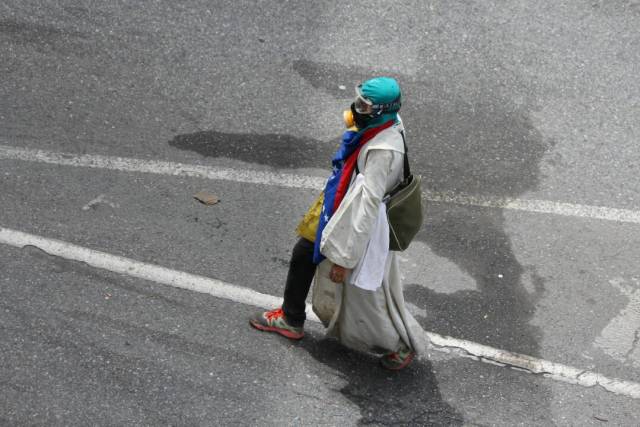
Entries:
{"x":350,"y":163}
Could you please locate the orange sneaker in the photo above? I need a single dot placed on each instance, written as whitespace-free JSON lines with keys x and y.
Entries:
{"x":275,"y":321}
{"x":398,"y":360}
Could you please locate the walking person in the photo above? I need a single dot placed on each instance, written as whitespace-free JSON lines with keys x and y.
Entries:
{"x":344,"y":240}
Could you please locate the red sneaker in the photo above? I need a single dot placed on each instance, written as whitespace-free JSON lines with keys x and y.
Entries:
{"x":275,"y":321}
{"x":398,"y":360}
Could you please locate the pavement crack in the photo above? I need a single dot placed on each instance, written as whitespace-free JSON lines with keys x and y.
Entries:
{"x":586,"y":371}
{"x":310,"y":396}
{"x":491,"y":360}
{"x":60,"y":263}
{"x":634,"y":344}
{"x":515,"y":367}
{"x":454,"y":349}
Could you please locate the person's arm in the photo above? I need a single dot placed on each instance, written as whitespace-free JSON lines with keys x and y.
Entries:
{"x":347,"y":241}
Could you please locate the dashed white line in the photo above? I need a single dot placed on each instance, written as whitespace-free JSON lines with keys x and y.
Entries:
{"x":308,"y":182}
{"x":161,"y":168}
{"x":243,"y":295}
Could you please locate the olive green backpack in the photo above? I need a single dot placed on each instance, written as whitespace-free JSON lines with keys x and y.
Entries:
{"x":404,"y":208}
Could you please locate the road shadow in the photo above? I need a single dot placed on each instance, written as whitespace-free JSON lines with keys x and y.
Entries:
{"x":276,"y":150}
{"x":408,"y":397}
{"x":45,"y":38}
{"x":498,"y":312}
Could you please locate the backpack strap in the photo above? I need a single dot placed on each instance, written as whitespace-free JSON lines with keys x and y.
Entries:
{"x":407,"y":170}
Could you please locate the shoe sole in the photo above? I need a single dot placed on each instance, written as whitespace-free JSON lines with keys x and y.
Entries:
{"x":404,"y":364}
{"x":283,"y":332}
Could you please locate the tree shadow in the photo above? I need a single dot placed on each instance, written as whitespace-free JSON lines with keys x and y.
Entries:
{"x":498,"y":312}
{"x":276,"y":150}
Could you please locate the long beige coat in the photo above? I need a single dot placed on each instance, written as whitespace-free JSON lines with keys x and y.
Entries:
{"x":361,"y":319}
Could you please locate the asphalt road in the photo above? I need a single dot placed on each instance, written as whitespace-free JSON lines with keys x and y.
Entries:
{"x":523,"y":100}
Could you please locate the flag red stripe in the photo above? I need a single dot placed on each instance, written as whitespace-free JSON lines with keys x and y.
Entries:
{"x":350,"y":164}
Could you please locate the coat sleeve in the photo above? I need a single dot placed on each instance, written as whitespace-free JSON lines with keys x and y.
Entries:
{"x":345,"y":237}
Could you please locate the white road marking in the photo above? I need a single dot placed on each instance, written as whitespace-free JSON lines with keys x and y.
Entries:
{"x":162,"y":168}
{"x":242,"y":295}
{"x":308,"y":182}
{"x":620,"y":339}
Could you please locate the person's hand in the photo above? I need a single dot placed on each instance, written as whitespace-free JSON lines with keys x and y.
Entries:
{"x":338,"y":273}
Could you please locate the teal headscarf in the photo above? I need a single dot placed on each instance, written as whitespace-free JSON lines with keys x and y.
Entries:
{"x":381,"y":90}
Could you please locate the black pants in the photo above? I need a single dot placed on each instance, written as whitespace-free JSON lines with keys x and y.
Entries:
{"x":299,"y":279}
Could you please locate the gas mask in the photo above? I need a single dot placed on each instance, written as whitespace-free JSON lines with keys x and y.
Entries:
{"x":353,"y":118}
